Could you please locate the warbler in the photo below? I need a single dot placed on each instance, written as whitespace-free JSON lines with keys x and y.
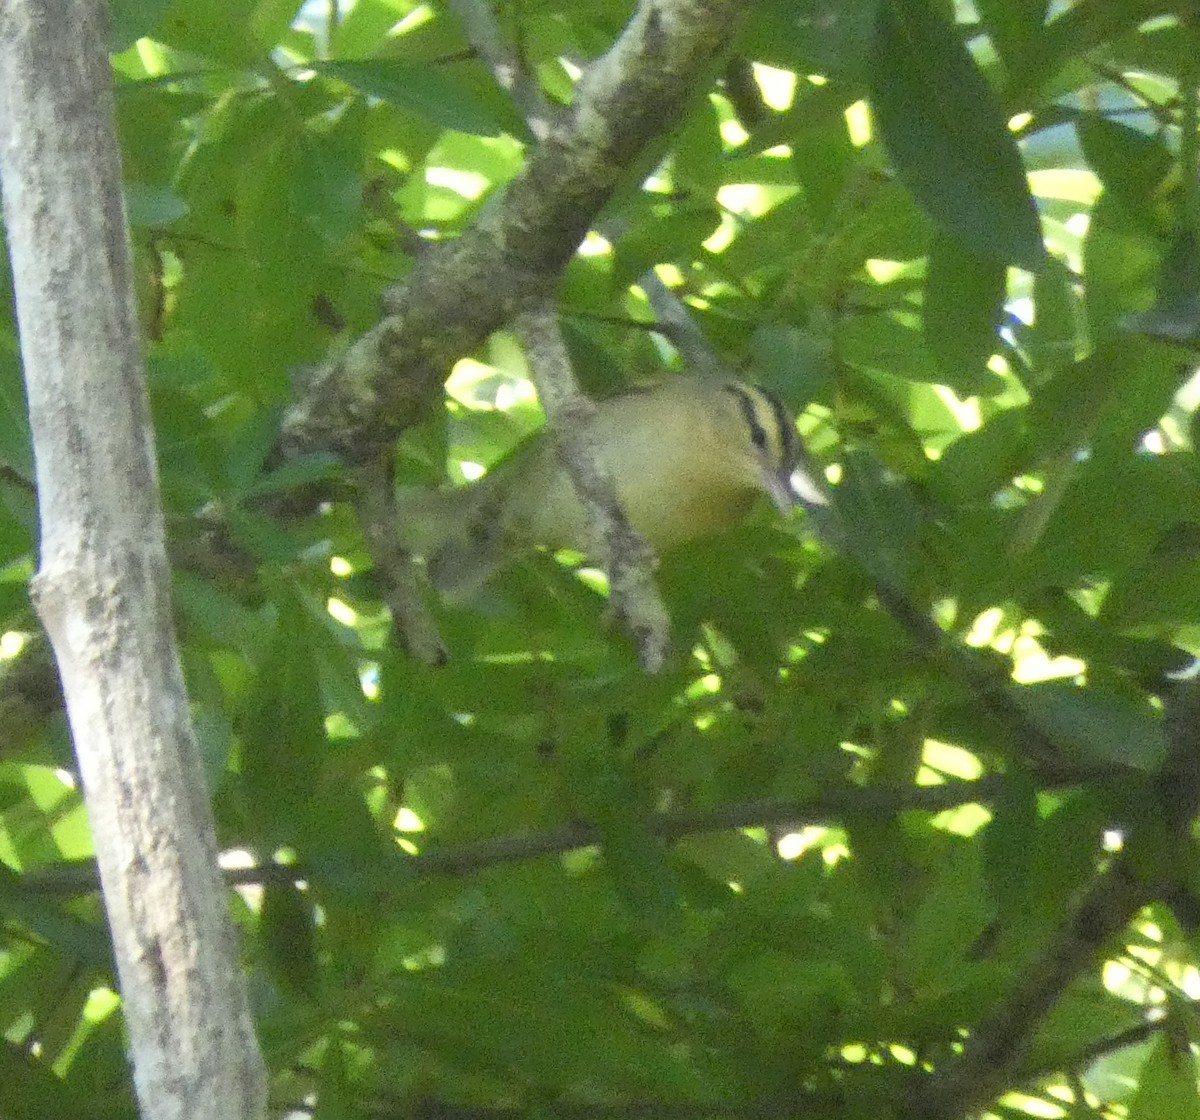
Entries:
{"x":688,"y":458}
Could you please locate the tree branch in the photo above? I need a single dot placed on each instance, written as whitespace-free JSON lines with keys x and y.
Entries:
{"x":997,"y":1046}
{"x":622,"y":550}
{"x":463,"y":290}
{"x":465,"y":859}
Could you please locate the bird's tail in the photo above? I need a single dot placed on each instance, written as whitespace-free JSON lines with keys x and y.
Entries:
{"x":456,"y":532}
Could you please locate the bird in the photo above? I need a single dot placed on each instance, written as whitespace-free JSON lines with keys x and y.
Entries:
{"x":688,"y":456}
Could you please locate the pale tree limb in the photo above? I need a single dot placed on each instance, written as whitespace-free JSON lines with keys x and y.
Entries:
{"x":622,"y":551}
{"x":102,"y":588}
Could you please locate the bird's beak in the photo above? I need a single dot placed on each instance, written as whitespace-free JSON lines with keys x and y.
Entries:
{"x":795,"y":488}
{"x":779,"y":490}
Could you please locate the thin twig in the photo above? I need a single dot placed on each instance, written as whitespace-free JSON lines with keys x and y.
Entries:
{"x":1089,"y":1055}
{"x":402,"y":587}
{"x":622,"y":550}
{"x":484,"y":34}
{"x":830,"y":806}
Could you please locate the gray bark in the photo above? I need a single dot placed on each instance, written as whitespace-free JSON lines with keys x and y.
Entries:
{"x":102,"y":587}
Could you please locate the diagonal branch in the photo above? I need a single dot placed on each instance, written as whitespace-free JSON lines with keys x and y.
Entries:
{"x":997,"y":1047}
{"x":459,"y":293}
{"x":999,"y":1044}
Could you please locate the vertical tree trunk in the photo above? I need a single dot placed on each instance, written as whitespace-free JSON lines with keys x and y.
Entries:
{"x":102,"y":588}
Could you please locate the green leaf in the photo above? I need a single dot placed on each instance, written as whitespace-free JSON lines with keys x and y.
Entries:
{"x":249,"y":446}
{"x":1075,"y":31}
{"x":304,"y":792}
{"x":287,"y":925}
{"x":327,"y":187}
{"x":824,"y":161}
{"x":30,"y":1090}
{"x":1131,"y":164}
{"x":1013,"y":26}
{"x":1167,"y":1085}
{"x":947,"y":134}
{"x":1094,"y":726}
{"x":674,"y":233}
{"x":264,"y":537}
{"x":1055,"y":337}
{"x":1122,"y":260}
{"x":86,"y":941}
{"x":152,"y":206}
{"x":880,"y":518}
{"x":964,"y":299}
{"x":420,"y":90}
{"x":335,"y":1099}
{"x":979,"y":464}
{"x":1160,"y":591}
{"x":130,"y":20}
{"x":304,"y":470}
{"x":791,"y":362}
{"x":1082,"y":1018}
{"x":887,"y":343}
{"x":211,"y":28}
{"x":635,"y":857}
{"x":949,"y":919}
{"x":1175,"y":314}
{"x":696,"y":154}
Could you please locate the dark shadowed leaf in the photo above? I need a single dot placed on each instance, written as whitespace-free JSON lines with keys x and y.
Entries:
{"x":947,"y":134}
{"x":1095,"y":727}
{"x":421,"y":90}
{"x":964,"y":297}
{"x":287,"y":925}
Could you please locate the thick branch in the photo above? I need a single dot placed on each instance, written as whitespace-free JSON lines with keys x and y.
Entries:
{"x":458,"y":294}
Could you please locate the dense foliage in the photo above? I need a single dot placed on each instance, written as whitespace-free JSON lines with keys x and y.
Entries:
{"x":903,"y":826}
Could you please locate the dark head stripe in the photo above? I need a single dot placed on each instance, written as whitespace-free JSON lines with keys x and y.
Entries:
{"x":758,"y":435}
{"x":785,"y":426}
